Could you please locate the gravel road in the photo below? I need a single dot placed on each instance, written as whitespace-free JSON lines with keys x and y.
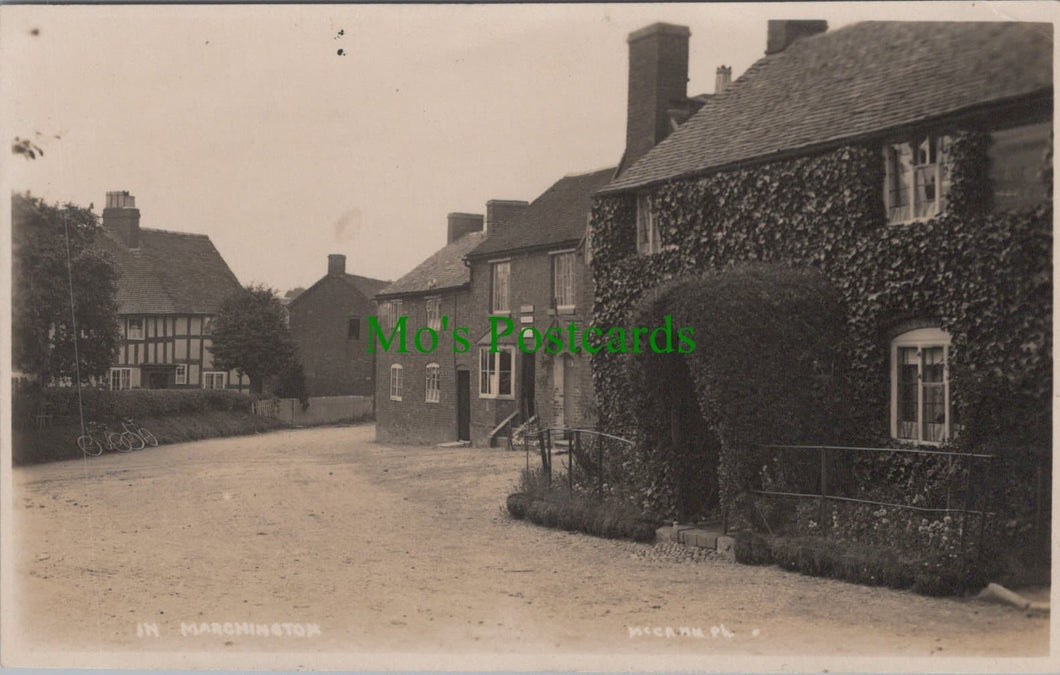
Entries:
{"x":332,"y":550}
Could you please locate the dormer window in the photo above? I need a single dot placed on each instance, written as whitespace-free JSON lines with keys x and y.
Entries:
{"x":647,"y":227}
{"x":917,"y":178}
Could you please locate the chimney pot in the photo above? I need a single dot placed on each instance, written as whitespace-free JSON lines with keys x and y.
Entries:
{"x":723,"y":79}
{"x":121,"y":217}
{"x":658,"y":82}
{"x":336,"y":264}
{"x":782,"y":32}
{"x":463,"y":223}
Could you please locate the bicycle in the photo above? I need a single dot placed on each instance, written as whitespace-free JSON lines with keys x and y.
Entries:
{"x":133,"y":427}
{"x":98,"y":437}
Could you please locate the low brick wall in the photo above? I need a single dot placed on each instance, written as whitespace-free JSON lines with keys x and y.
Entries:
{"x":323,"y":410}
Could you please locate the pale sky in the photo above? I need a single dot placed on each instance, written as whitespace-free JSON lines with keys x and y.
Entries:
{"x":244,"y":123}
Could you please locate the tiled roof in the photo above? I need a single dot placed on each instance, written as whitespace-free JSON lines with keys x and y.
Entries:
{"x":558,"y":215}
{"x":366,"y":286}
{"x":445,"y":269}
{"x":170,"y":273}
{"x":855,"y":81}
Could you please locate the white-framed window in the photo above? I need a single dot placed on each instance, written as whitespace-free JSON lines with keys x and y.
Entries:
{"x":396,"y":381}
{"x":648,"y":240}
{"x":920,"y":387}
{"x":434,"y":384}
{"x":563,"y":279}
{"x":120,"y":378}
{"x":214,"y":379}
{"x":134,"y":328}
{"x":917,"y":178}
{"x":434,"y":313}
{"x":500,"y":287}
{"x":389,"y":313}
{"x":181,"y":374}
{"x":496,"y":372}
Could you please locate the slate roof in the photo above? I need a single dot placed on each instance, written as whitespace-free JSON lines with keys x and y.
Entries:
{"x":171,"y":273}
{"x":855,"y":81}
{"x":557,"y":216}
{"x":445,"y":269}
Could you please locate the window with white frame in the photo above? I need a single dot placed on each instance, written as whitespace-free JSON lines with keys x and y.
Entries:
{"x":181,"y":374}
{"x":500,"y":287}
{"x":434,"y":313}
{"x":134,"y":329}
{"x":647,"y":226}
{"x":396,"y":377}
{"x":496,"y":378}
{"x":920,"y":389}
{"x":434,"y":384}
{"x":214,"y":379}
{"x":563,"y":279}
{"x":120,"y":378}
{"x":917,"y":178}
{"x":389,"y":313}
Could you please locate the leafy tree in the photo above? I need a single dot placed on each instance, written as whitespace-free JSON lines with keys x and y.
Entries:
{"x":43,"y":334}
{"x":250,"y":336}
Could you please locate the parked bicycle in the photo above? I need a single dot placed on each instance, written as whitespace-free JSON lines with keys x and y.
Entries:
{"x":98,"y":438}
{"x":134,"y":427}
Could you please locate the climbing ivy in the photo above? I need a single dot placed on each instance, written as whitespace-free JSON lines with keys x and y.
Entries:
{"x":984,"y":277}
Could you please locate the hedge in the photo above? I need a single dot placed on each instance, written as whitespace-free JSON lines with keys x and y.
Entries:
{"x":104,"y":405}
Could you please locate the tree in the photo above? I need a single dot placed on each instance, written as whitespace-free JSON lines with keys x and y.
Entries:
{"x":44,"y":286}
{"x":250,"y":335}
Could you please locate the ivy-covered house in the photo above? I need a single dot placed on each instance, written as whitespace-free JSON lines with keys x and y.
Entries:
{"x":909,"y":163}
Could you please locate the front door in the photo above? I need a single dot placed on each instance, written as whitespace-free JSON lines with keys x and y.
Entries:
{"x":463,"y":405}
{"x":156,"y":379}
{"x":527,"y":405}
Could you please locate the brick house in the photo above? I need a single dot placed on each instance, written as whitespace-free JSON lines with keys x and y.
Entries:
{"x":328,"y":323}
{"x":426,"y":397}
{"x":848,"y":151}
{"x":530,"y":271}
{"x":169,"y":287}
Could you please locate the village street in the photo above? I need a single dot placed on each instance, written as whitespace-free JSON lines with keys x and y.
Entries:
{"x":365,"y":550}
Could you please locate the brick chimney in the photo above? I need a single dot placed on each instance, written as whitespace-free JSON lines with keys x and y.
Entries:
{"x":723,"y":79}
{"x":500,"y":212}
{"x":658,"y":81}
{"x":336,"y":264}
{"x":463,"y":223}
{"x":123,"y":218}
{"x":782,"y":32}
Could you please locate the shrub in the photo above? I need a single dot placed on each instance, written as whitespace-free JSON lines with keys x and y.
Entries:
{"x":551,"y":505}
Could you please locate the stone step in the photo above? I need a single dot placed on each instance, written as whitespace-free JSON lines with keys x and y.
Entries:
{"x":699,"y":536}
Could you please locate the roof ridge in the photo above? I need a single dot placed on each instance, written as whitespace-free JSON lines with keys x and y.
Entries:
{"x":579,"y":174}
{"x":174,"y":232}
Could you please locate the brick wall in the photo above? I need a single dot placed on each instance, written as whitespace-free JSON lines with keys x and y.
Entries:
{"x":413,"y":420}
{"x":334,"y":365}
{"x":531,"y":286}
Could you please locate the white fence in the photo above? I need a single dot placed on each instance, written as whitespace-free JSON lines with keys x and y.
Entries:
{"x":321,"y":410}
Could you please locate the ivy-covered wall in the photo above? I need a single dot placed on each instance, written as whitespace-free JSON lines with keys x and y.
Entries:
{"x":984,"y":277}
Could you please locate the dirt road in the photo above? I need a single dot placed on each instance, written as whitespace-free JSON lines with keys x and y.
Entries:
{"x":329,"y":549}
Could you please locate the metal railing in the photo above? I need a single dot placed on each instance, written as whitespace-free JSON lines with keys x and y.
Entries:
{"x":585,"y":449}
{"x":972,"y":503}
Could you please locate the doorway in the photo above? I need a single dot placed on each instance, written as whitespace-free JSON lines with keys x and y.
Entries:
{"x":463,"y":405}
{"x":526,"y":390}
